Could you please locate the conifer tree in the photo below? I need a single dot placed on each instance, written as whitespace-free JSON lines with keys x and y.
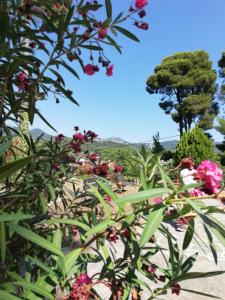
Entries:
{"x":197,"y":145}
{"x":186,"y":82}
{"x":157,"y":148}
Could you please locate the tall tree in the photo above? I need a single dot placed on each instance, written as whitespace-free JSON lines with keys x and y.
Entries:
{"x":221,"y":64}
{"x":186,"y":82}
{"x":157,"y":147}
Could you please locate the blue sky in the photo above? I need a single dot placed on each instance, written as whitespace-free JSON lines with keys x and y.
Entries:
{"x":119,"y":105}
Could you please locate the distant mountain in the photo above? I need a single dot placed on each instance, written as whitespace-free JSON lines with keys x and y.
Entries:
{"x":36,"y":132}
{"x":116,"y":139}
{"x":113,"y":141}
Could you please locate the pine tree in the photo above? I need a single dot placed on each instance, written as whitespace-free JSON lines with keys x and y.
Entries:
{"x":197,"y":145}
{"x":157,"y":147}
{"x":186,"y":82}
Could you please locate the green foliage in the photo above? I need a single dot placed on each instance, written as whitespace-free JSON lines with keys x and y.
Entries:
{"x":157,"y":148}
{"x":197,"y":145}
{"x":221,"y":65}
{"x":187,"y":84}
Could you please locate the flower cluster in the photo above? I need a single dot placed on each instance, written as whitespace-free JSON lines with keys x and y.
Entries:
{"x":91,"y":69}
{"x":81,"y":288}
{"x":118,"y":169}
{"x":209,"y":173}
{"x":22,"y":81}
{"x":81,"y":138}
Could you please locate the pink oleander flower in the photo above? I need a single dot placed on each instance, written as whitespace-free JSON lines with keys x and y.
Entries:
{"x":118,"y":168}
{"x":139,"y":4}
{"x":83,"y":279}
{"x":22,"y":81}
{"x":93,"y":156}
{"x":176,"y":288}
{"x":89,"y":69}
{"x":197,"y":193}
{"x":209,"y":173}
{"x":102,"y":32}
{"x":59,"y":138}
{"x":157,"y":200}
{"x":78,"y":137}
{"x":81,"y":288}
{"x":54,"y":166}
{"x":109,"y":70}
{"x":184,"y":220}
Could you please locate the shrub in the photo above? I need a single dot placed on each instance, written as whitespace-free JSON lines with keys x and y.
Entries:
{"x":197,"y":145}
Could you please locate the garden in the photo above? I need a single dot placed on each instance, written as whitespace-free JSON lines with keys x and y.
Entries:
{"x":82,"y":222}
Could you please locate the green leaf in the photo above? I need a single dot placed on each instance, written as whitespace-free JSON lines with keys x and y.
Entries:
{"x":43,"y":266}
{"x":51,"y":191}
{"x":201,"y":293}
{"x":127,"y":33}
{"x":154,"y":221}
{"x":144,"y":195}
{"x":35,"y":288}
{"x":57,"y":239}
{"x":34,"y":238}
{"x":189,"y":234}
{"x":14,"y":217}
{"x":108,"y":7}
{"x":195,"y":275}
{"x":3,"y":241}
{"x":107,"y":189}
{"x":4,"y":295}
{"x":69,"y":222}
{"x":107,"y":209}
{"x":101,"y":227}
{"x":9,"y":169}
{"x":70,"y":259}
{"x":4,"y":147}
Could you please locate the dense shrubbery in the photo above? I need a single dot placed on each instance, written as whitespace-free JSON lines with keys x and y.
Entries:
{"x":197,"y":145}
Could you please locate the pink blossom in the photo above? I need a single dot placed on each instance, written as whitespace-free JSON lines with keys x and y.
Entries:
{"x":118,"y":168}
{"x":109,"y":70}
{"x":157,"y":200}
{"x":102,"y":32}
{"x":78,"y":137}
{"x":209,"y":173}
{"x":89,"y":69}
{"x":139,"y":4}
{"x":197,"y":193}
{"x":59,"y":138}
{"x":83,"y":279}
{"x":175,"y":288}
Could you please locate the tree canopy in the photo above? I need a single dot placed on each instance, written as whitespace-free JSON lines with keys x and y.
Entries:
{"x":186,"y":82}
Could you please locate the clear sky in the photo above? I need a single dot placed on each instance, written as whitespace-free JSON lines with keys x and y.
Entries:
{"x":119,"y":105}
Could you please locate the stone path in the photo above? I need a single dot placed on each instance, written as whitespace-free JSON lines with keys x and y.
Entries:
{"x":205,"y":262}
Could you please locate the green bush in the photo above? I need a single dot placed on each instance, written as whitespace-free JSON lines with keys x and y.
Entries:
{"x":197,"y":145}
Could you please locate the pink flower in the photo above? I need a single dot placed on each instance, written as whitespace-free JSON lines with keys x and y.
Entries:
{"x":108,"y":198}
{"x":54,"y":166}
{"x":109,"y":70}
{"x":93,"y":156}
{"x":102,"y":32}
{"x":59,"y":138}
{"x":118,"y":168}
{"x":22,"y":81}
{"x":78,"y":137}
{"x":211,"y":175}
{"x":151,"y":269}
{"x":89,"y":69}
{"x":176,"y":288}
{"x":184,"y":221}
{"x":197,"y":193}
{"x":157,"y":200}
{"x":139,"y":4}
{"x":83,"y":279}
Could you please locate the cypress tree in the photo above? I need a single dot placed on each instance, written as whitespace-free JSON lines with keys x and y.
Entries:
{"x":197,"y":145}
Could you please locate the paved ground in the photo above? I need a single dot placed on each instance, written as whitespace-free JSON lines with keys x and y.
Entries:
{"x":205,"y":262}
